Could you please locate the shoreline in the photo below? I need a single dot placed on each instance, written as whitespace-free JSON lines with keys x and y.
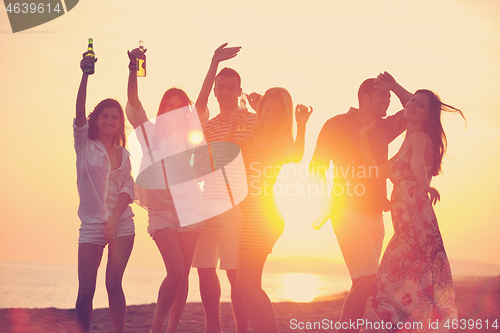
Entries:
{"x":476,"y":299}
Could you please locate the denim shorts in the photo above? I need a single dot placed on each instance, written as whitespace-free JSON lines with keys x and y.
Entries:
{"x":94,"y":232}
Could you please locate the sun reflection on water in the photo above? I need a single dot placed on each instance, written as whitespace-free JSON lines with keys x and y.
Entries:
{"x":300,"y":287}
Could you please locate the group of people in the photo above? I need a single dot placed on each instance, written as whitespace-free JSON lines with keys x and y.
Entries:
{"x":413,"y":281}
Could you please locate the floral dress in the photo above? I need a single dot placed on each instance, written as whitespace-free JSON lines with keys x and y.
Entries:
{"x":414,"y":283}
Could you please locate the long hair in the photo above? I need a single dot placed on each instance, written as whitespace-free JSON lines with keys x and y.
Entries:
{"x":181,"y":94}
{"x":286,"y":126}
{"x":434,"y":128}
{"x":119,"y":136}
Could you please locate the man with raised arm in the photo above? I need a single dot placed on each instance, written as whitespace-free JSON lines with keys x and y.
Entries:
{"x":220,"y":237}
{"x":359,"y":196}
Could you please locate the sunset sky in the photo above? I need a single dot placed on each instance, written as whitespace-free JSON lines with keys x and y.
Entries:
{"x":319,"y":50}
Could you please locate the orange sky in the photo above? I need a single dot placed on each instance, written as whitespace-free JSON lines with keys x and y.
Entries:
{"x":320,"y":52}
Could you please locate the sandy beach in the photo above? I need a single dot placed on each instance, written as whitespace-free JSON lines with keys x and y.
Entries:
{"x":477,"y":299}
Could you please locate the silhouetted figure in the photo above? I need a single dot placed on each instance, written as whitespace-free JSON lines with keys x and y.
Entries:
{"x":106,"y":190}
{"x":359,"y":195}
{"x":269,"y":147}
{"x":414,"y":283}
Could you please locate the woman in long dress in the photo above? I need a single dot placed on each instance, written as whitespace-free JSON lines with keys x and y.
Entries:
{"x":264,"y":152}
{"x":414,"y":286}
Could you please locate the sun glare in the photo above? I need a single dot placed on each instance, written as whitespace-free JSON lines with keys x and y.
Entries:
{"x":195,"y":137}
{"x":300,"y":287}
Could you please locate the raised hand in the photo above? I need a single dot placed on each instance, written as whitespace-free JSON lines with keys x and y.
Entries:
{"x":224,"y":53}
{"x":253,"y":100}
{"x":86,"y":61}
{"x":385,"y":81}
{"x":136,"y":54}
{"x":302,"y":114}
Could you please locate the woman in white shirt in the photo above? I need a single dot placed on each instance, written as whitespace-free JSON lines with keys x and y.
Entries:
{"x":106,"y":189}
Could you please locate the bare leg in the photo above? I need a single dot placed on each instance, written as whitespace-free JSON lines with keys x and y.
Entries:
{"x":167,"y":241}
{"x":89,"y":259}
{"x":355,"y":302}
{"x":210,"y":297}
{"x":240,"y":315}
{"x":187,"y":240}
{"x":257,"y":304}
{"x":119,"y":250}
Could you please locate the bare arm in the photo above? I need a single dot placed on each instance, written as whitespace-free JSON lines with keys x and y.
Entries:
{"x":237,"y":117}
{"x":403,"y":94}
{"x":417,"y":163}
{"x":221,"y":53}
{"x":125,"y":198}
{"x":81,"y":97}
{"x":320,"y":162}
{"x":132,"y":89}
{"x":387,"y":81}
{"x":295,"y":152}
{"x":112,"y":224}
{"x":319,"y":165}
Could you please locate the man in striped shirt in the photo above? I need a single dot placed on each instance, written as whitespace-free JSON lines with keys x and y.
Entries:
{"x":220,"y":237}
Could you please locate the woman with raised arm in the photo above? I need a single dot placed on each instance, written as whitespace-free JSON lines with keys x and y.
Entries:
{"x":264,"y":152}
{"x":106,"y":190}
{"x":167,"y":136}
{"x":414,"y":283}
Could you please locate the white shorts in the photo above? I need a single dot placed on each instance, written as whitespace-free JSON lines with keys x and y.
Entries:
{"x":94,"y":232}
{"x":360,"y":237}
{"x":219,"y":239}
{"x":160,"y":219}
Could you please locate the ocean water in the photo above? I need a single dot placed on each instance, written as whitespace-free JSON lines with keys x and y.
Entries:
{"x":24,"y":285}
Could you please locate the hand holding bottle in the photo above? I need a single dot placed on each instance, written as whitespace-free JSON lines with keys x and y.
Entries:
{"x":86,"y":63}
{"x":238,"y":117}
{"x":141,"y":62}
{"x":89,"y":68}
{"x":242,"y":125}
{"x":134,"y":55}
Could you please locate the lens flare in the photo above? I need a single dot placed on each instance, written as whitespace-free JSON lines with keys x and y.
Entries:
{"x":195,"y":137}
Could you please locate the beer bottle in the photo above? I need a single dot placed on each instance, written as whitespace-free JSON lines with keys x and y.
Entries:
{"x":243,"y":104}
{"x":90,"y":53}
{"x":320,"y":220}
{"x":141,"y":62}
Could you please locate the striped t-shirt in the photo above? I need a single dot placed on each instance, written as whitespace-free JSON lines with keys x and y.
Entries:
{"x":215,"y":131}
{"x":262,"y":220}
